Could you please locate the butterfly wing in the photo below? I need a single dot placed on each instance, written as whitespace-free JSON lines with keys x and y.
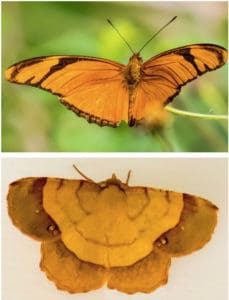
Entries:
{"x":93,"y":88}
{"x":165,"y":74}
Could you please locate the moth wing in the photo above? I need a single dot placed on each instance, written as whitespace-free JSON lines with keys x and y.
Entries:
{"x":196,"y":226}
{"x":67,"y":271}
{"x":25,"y":208}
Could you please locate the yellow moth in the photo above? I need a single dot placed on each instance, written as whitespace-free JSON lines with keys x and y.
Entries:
{"x":108,"y":233}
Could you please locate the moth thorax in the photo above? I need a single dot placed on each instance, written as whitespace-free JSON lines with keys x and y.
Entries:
{"x":133,"y":70}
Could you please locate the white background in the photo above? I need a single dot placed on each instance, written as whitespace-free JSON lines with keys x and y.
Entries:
{"x":201,"y":275}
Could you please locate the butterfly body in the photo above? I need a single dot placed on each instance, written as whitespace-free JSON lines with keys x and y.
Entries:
{"x":133,"y":71}
{"x":132,"y":77}
{"x":106,"y":92}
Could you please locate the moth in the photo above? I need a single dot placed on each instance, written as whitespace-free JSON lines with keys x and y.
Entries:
{"x":108,"y":233}
{"x":106,"y":92}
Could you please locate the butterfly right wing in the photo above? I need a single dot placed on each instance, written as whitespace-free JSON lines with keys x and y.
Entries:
{"x":91,"y":87}
{"x":165,"y":74}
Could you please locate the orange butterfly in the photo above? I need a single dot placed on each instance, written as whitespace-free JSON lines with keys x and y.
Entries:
{"x":106,"y":92}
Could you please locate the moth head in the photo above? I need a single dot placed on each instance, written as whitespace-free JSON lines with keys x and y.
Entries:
{"x":113,"y":181}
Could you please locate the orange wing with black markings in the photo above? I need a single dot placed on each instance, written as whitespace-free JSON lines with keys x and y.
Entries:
{"x":91,"y":87}
{"x":164,"y":75}
{"x":106,"y":92}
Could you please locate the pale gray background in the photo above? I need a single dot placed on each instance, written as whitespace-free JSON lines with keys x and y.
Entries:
{"x":201,"y":275}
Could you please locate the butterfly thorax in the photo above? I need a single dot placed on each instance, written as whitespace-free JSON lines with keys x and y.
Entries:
{"x":132,"y":71}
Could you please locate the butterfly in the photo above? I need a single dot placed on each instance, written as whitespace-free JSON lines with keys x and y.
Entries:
{"x":106,"y":92}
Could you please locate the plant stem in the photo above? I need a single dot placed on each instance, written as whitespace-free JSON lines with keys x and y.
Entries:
{"x":195,"y":115}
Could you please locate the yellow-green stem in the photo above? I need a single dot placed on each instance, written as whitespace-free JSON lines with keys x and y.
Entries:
{"x":195,"y":115}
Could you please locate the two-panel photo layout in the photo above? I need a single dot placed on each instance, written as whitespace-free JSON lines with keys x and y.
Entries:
{"x":114,"y":155}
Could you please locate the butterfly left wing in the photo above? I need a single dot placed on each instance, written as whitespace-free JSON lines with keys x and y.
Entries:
{"x":165,"y":74}
{"x":92,"y":87}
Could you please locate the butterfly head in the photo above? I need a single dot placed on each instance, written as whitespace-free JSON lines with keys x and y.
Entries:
{"x":136,"y":58}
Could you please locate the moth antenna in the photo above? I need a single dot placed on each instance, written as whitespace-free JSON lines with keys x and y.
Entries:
{"x":128,"y":177}
{"x":157,"y":33}
{"x":128,"y":45}
{"x":83,"y":175}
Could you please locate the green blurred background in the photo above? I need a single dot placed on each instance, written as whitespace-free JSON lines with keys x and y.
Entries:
{"x":34,"y":120}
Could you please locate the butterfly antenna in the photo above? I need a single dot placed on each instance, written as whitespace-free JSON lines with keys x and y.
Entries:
{"x":157,"y":33}
{"x":128,"y":45}
{"x":82,"y":174}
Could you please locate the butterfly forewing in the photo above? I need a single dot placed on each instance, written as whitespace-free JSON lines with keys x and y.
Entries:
{"x":164,"y":74}
{"x":91,"y":87}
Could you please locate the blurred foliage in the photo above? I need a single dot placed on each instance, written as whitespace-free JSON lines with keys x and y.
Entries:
{"x":34,"y":120}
